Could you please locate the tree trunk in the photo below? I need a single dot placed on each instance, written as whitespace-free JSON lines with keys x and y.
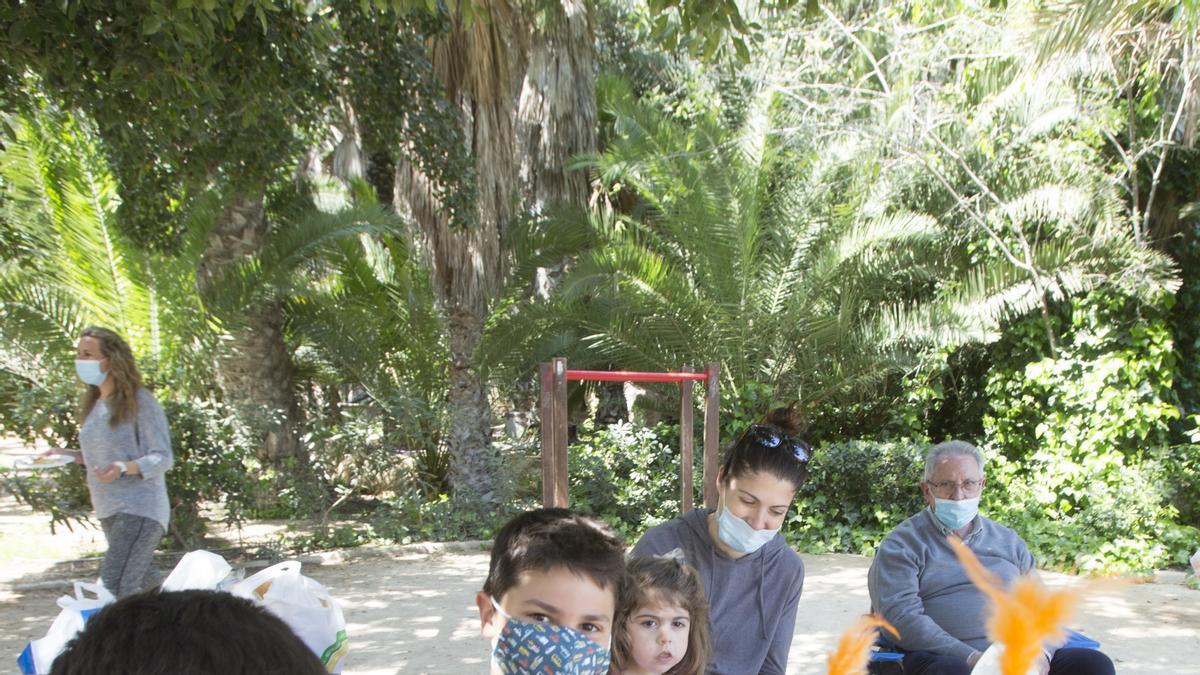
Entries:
{"x":254,"y":367}
{"x":478,"y":62}
{"x":525,"y":112}
{"x":611,"y":407}
{"x":556,"y":117}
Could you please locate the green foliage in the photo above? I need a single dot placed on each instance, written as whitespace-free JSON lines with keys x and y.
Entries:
{"x":400,"y":104}
{"x":706,"y":27}
{"x":214,"y":462}
{"x":411,"y":518}
{"x":857,"y":492}
{"x":628,"y":476}
{"x":1087,"y":464}
{"x":180,"y":94}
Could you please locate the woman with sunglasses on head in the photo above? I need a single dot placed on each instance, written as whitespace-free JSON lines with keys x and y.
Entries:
{"x":126,"y":449}
{"x":752,"y":577}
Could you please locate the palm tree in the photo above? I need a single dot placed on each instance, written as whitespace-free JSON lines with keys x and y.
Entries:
{"x":1148,"y":51}
{"x":776,"y":258}
{"x":61,"y":199}
{"x":526,"y":106}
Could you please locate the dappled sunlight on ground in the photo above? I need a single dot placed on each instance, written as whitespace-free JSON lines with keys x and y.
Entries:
{"x":410,"y":614}
{"x":415,"y":613}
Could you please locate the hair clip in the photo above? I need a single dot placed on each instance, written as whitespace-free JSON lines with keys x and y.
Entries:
{"x":675,"y":554}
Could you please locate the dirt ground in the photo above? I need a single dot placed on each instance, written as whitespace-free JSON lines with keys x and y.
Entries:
{"x":413,"y":612}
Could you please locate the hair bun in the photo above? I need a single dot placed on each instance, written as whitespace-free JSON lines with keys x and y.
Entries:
{"x":789,"y":420}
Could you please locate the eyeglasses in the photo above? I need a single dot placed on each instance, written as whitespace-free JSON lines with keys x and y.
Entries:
{"x":969,"y":486}
{"x":771,"y":436}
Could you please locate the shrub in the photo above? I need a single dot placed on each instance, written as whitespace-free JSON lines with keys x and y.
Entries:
{"x":856,"y":493}
{"x":629,"y":476}
{"x":214,"y":462}
{"x":1084,"y":439}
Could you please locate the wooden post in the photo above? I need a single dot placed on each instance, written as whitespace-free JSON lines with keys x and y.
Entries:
{"x":686,"y":442}
{"x":562,"y":496}
{"x":712,"y":430}
{"x":546,"y":410}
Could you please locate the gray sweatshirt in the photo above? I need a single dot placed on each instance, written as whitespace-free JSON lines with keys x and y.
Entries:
{"x":144,"y":440}
{"x":919,"y":586}
{"x":751,"y":601}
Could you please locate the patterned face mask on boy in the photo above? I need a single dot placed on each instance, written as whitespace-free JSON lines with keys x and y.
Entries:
{"x":524,"y":648}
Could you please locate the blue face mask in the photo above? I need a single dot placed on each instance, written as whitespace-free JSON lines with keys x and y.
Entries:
{"x":956,"y":513}
{"x":738,"y":535}
{"x":524,"y":648}
{"x":89,"y":372}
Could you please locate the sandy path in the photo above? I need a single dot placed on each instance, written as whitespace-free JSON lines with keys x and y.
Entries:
{"x":414,"y":613}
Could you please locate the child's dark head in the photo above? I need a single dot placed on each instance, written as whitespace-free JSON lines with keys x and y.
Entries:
{"x":189,"y":633}
{"x":662,"y":619}
{"x":554,"y":566}
{"x":771,"y":447}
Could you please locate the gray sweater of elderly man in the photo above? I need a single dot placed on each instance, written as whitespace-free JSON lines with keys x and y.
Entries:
{"x":920,"y":587}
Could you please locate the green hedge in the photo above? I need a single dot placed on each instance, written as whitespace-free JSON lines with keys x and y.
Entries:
{"x":856,"y":493}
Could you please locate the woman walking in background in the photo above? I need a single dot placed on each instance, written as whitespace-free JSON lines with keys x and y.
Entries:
{"x":126,"y":447}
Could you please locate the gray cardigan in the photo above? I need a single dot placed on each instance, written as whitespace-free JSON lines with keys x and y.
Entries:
{"x":145,"y":440}
{"x":919,"y":586}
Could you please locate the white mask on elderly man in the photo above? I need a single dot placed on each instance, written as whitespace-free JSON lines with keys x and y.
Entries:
{"x":955,"y":513}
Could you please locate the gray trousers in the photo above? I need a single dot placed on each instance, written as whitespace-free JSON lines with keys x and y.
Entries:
{"x":128,"y":565}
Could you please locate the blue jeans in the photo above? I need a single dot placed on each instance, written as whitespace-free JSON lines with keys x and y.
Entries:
{"x":1065,"y":662}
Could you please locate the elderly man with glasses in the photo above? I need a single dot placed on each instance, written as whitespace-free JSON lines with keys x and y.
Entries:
{"x":919,"y":586}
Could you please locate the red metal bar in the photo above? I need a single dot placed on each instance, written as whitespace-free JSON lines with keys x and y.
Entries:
{"x":631,"y":376}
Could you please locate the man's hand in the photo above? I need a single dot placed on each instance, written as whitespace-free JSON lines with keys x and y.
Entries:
{"x":1042,"y":664}
{"x":107,"y":474}
{"x":974,"y":658}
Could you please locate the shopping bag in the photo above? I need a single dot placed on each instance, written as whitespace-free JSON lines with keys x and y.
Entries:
{"x":198,"y":570}
{"x":39,"y":655}
{"x":304,"y":605}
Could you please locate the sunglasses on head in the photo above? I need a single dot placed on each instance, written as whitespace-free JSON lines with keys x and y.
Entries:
{"x":771,"y":436}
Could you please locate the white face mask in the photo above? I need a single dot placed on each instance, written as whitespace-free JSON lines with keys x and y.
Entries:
{"x":956,"y":513}
{"x":737,"y":533}
{"x":89,"y":371}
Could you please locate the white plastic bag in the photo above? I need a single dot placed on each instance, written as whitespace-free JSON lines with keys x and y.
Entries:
{"x":39,"y":655}
{"x":198,"y":570}
{"x":1196,"y":562}
{"x":304,"y":605}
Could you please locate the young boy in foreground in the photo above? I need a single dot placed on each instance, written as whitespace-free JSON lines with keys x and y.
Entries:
{"x":551,"y":593}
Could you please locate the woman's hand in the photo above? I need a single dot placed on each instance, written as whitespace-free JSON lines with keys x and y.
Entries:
{"x":76,"y":455}
{"x":107,"y":474}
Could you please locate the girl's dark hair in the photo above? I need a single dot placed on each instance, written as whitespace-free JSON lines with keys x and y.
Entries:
{"x":772,"y":446}
{"x":666,"y":579}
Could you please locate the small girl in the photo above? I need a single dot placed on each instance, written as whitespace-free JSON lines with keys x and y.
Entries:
{"x":662,"y":619}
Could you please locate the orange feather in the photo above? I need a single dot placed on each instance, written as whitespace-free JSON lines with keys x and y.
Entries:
{"x":1024,"y":617}
{"x":854,"y":649}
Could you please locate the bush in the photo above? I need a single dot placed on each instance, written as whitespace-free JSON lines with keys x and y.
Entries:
{"x":1086,"y":463}
{"x":214,"y":462}
{"x":628,"y":476}
{"x":856,"y":493}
